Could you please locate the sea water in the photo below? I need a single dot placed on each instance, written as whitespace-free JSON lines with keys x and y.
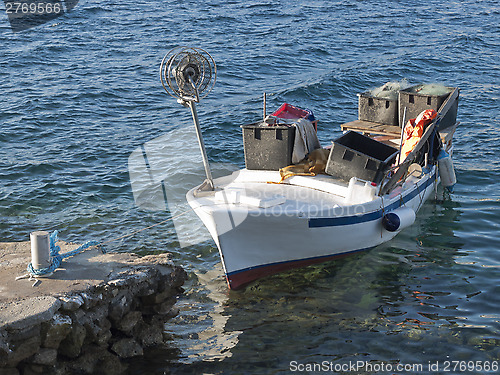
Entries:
{"x":81,"y":98}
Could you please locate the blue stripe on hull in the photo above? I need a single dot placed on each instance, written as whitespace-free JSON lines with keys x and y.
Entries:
{"x":356,"y":219}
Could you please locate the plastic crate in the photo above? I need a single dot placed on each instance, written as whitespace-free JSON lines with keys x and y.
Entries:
{"x":379,"y":110}
{"x":290,"y":112}
{"x":268,"y":147}
{"x":416,"y":102}
{"x":356,"y":155}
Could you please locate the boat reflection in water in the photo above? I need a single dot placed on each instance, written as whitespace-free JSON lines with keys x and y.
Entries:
{"x":353,"y":309}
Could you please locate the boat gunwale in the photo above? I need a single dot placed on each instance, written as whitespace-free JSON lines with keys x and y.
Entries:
{"x":394,"y":200}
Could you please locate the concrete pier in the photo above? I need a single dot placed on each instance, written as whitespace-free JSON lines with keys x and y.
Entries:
{"x":93,"y":311}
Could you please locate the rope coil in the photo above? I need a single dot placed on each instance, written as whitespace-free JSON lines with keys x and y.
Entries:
{"x":56,"y":258}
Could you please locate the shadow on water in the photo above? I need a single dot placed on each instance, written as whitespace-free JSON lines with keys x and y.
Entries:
{"x":407,"y":301}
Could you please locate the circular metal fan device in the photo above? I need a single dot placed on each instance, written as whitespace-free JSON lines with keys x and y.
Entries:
{"x":188,"y":73}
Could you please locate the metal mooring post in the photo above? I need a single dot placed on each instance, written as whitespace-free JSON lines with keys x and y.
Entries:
{"x":40,"y":249}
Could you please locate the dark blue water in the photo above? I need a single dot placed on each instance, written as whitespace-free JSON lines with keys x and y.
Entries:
{"x":80,"y":94}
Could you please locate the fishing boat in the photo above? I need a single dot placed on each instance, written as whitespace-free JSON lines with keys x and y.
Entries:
{"x":264,"y":222}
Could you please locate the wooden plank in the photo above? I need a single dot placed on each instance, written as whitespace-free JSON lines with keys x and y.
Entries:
{"x":389,"y":140}
{"x":367,"y":127}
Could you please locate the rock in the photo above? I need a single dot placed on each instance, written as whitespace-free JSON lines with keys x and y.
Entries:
{"x":57,"y":329}
{"x":119,"y":306}
{"x":129,"y":321}
{"x":61,"y":369}
{"x":4,"y":356}
{"x":99,"y":332}
{"x":158,"y":321}
{"x":104,"y":336}
{"x":71,"y":346}
{"x":71,"y":303}
{"x":28,"y":312}
{"x":90,"y":300}
{"x":142,"y":282}
{"x":45,"y":357}
{"x":24,"y":350}
{"x":9,"y":371}
{"x":19,"y":335}
{"x":31,"y":369}
{"x":94,"y":360}
{"x":149,"y":335}
{"x":111,"y":365}
{"x":165,"y":307}
{"x":96,"y":323}
{"x":174,"y":311}
{"x":85,"y":364}
{"x":157,"y":298}
{"x":177,"y":278}
{"x":117,"y":282}
{"x":127,"y":348}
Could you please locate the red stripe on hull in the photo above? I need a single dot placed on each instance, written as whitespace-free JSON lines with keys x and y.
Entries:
{"x":240,"y":279}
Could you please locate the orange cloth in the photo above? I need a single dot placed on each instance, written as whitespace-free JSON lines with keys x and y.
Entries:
{"x":413,"y":131}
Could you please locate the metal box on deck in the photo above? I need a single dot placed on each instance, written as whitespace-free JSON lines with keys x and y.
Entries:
{"x":268,"y":147}
{"x":416,"y":102}
{"x":356,"y":155}
{"x":380,"y":110}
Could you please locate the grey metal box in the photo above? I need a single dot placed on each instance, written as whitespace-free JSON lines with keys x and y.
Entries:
{"x":380,"y":110}
{"x":416,"y":103}
{"x":356,"y":155}
{"x":268,"y":147}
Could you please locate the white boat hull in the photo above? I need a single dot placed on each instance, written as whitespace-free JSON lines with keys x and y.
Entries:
{"x":261,"y":228}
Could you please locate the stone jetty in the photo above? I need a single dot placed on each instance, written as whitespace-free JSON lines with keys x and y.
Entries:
{"x":90,"y":314}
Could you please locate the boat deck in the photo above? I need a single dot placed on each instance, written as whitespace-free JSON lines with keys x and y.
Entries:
{"x":303,"y":196}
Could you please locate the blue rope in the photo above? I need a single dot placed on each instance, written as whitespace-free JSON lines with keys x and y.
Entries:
{"x":56,"y":258}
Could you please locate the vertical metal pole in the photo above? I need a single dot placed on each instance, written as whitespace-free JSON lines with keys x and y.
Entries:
{"x":265,"y":104}
{"x":402,"y":134}
{"x":209,"y":179}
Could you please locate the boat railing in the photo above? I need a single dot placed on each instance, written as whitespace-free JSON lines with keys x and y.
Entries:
{"x":402,"y":168}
